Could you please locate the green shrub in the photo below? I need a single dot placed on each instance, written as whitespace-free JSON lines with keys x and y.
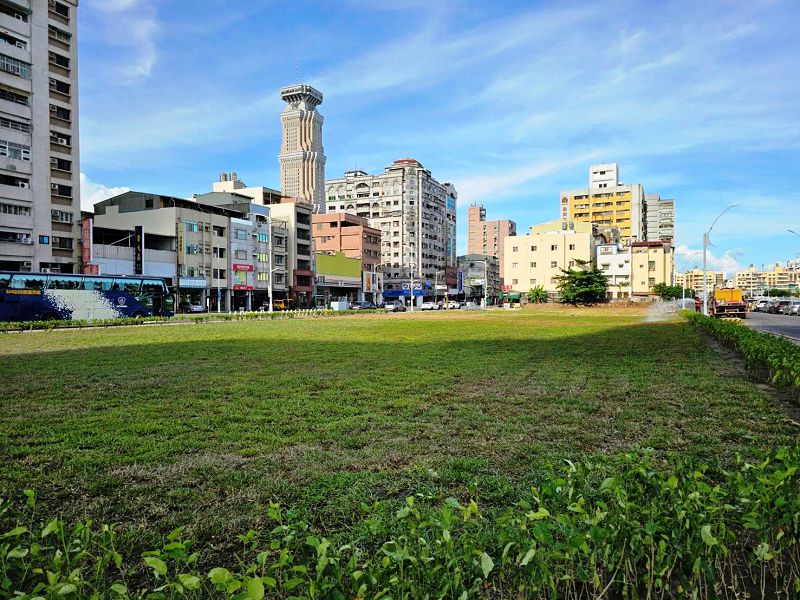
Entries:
{"x":768,"y":357}
{"x":627,"y":526}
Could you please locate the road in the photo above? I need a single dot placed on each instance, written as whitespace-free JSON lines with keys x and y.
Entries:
{"x":780,"y":324}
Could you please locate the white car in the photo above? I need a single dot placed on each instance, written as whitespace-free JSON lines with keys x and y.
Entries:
{"x":430,"y":306}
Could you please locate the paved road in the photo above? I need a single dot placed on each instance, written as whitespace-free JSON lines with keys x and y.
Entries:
{"x":781,"y":324}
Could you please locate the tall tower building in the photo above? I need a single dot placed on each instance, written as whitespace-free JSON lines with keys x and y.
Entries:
{"x":486,"y":237}
{"x":302,"y":156}
{"x":39,"y":170}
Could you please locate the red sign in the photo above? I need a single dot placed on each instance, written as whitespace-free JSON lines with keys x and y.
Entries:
{"x":242,"y":267}
{"x":238,"y":286}
{"x":91,"y":269}
{"x":86,"y":240}
{"x":507,"y":288}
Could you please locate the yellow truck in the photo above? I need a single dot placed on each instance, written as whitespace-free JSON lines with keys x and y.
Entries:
{"x":728,"y":302}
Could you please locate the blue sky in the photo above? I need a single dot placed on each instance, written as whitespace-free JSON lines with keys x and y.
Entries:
{"x":509,"y":100}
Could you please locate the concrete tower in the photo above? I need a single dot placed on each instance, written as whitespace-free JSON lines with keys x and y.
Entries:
{"x":302,"y":156}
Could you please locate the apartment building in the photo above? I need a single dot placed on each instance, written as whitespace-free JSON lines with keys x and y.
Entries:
{"x":486,"y":237}
{"x":755,"y":282}
{"x":538,"y":257}
{"x":39,"y":151}
{"x":416,"y":216}
{"x":351,"y":235}
{"x":693,"y":280}
{"x":614,"y":261}
{"x":258,"y":251}
{"x":201,"y":243}
{"x":651,"y":263}
{"x":296,"y":213}
{"x":608,"y":202}
{"x":659,"y":218}
{"x":480,"y":277}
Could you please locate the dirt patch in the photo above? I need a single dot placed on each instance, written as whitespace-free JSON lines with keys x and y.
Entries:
{"x":789,"y":407}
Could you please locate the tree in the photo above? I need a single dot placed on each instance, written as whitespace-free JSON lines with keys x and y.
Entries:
{"x":582,"y":286}
{"x":672,"y":292}
{"x":537,"y":295}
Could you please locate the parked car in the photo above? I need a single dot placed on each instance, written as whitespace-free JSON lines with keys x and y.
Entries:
{"x":363,"y":305}
{"x":395,"y":306}
{"x":453,"y":305}
{"x":790,"y":308}
{"x":795,"y":312}
{"x":778,"y":305}
{"x":186,"y":306}
{"x":430,"y":305}
{"x":761,"y":306}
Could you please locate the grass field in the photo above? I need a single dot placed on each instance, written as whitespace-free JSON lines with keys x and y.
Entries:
{"x":204,"y":425}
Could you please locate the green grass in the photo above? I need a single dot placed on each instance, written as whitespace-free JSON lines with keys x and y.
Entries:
{"x":204,"y":425}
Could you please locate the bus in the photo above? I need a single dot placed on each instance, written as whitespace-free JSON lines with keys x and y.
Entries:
{"x":64,"y":296}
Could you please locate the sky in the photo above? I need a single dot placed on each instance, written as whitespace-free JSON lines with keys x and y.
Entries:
{"x":511,"y":101}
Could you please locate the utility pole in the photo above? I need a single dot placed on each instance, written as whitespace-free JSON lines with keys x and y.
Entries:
{"x":706,"y":242}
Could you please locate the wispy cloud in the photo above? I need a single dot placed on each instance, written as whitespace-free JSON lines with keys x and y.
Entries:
{"x":691,"y":258}
{"x":137,"y":37}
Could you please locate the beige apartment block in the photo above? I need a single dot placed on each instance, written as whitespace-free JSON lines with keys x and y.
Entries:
{"x":302,"y":157}
{"x":538,"y":257}
{"x":486,"y":237}
{"x":651,"y":263}
{"x":754,"y":282}
{"x":39,"y":173}
{"x":693,"y":279}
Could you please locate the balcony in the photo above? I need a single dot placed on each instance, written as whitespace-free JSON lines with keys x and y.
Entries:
{"x":58,"y":38}
{"x":15,"y":25}
{"x":58,"y":12}
{"x":59,"y":147}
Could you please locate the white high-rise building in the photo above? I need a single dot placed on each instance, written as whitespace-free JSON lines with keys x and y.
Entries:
{"x":660,"y":218}
{"x":415,"y":213}
{"x":39,"y":151}
{"x":302,"y":157}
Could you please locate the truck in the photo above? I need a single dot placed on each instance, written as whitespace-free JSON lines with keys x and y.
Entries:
{"x":728,"y":302}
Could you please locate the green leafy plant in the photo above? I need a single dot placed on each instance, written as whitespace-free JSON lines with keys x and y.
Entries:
{"x":584,"y":285}
{"x":537,"y":295}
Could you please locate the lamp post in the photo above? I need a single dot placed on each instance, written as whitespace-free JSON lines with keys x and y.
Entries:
{"x":706,"y":242}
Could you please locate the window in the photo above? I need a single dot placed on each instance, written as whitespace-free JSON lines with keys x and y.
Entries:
{"x":533,"y":248}
{"x":514,"y":282}
{"x":651,"y":265}
{"x":261,"y":276}
{"x":553,"y":264}
{"x":59,"y":86}
{"x":554,"y":247}
{"x":65,"y":282}
{"x":533,"y":265}
{"x":515,"y":248}
{"x":193,"y":249}
{"x":58,"y":60}
{"x":11,"y":12}
{"x":533,"y":282}
{"x":572,"y":246}
{"x":240,"y":234}
{"x":15,"y":125}
{"x":191,"y":226}
{"x":219,"y":252}
{"x":13,"y":209}
{"x":14,"y":66}
{"x":571,"y":263}
{"x":60,"y":9}
{"x":61,"y":216}
{"x":263,"y":238}
{"x":219,"y":231}
{"x":44,"y":239}
{"x":241,"y":255}
{"x":60,"y":112}
{"x":12,"y":150}
{"x":262,"y":257}
{"x":28,"y":282}
{"x":126,"y":284}
{"x":219,"y":274}
{"x":61,"y":36}
{"x":62,"y":243}
{"x":514,"y":265}
{"x":13,"y":97}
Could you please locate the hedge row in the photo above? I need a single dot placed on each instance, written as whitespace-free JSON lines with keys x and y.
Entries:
{"x":768,"y":358}
{"x":630,"y":526}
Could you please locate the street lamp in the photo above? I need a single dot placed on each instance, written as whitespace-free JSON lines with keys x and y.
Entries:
{"x":706,"y":242}
{"x":794,"y":232}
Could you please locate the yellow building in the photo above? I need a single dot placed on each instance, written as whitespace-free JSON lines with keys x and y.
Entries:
{"x":536,"y":259}
{"x":753,"y":281}
{"x":651,"y":264}
{"x":608,"y":203}
{"x":693,"y":280}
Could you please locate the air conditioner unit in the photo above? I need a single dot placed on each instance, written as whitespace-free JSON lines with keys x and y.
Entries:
{"x":53,"y":161}
{"x":19,"y":17}
{"x":53,"y":108}
{"x":45,"y":270}
{"x":54,"y":186}
{"x":21,"y":45}
{"x":24,"y":184}
{"x":62,"y":141}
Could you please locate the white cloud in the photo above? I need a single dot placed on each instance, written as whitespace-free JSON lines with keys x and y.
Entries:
{"x":92,"y":193}
{"x":689,"y":258}
{"x":138,"y":38}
